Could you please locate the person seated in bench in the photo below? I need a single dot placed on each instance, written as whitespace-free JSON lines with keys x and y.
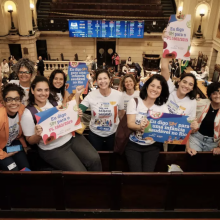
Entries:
{"x":182,"y":99}
{"x":57,"y":82}
{"x":24,"y":68}
{"x":103,"y":103}
{"x":208,"y":114}
{"x":66,"y":153}
{"x":142,"y":153}
{"x":10,"y":130}
{"x":128,"y":87}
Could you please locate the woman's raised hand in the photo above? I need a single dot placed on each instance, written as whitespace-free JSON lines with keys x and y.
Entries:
{"x":80,"y":89}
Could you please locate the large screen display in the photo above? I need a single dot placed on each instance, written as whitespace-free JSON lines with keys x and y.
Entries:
{"x":103,"y":28}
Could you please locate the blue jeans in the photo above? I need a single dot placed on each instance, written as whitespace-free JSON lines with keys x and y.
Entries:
{"x":200,"y":142}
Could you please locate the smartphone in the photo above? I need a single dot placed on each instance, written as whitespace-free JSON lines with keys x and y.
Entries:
{"x":14,"y":148}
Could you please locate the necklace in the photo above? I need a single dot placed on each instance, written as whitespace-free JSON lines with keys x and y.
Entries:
{"x":213,"y":110}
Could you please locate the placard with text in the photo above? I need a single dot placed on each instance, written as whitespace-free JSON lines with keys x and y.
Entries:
{"x":78,"y":75}
{"x":58,"y":121}
{"x":177,"y":40}
{"x":167,"y":128}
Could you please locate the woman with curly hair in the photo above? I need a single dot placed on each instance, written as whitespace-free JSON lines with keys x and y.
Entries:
{"x":24,"y":68}
{"x":10,"y":129}
{"x":128,"y":88}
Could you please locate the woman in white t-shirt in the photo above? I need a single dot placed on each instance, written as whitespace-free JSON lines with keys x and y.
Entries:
{"x":103,"y":103}
{"x":24,"y":68}
{"x":57,"y":82}
{"x":142,"y":153}
{"x":66,"y":153}
{"x":182,"y":99}
{"x":128,"y":87}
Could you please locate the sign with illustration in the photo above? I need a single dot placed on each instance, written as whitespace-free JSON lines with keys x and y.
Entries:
{"x":177,"y":40}
{"x":167,"y":128}
{"x":58,"y":121}
{"x":105,"y":115}
{"x":78,"y":75}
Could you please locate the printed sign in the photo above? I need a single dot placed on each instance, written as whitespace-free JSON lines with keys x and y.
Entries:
{"x":177,"y":41}
{"x":167,"y":128}
{"x":58,"y":121}
{"x":78,"y":75}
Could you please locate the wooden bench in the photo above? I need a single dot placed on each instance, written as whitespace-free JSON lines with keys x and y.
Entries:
{"x":116,"y":194}
{"x":202,"y":162}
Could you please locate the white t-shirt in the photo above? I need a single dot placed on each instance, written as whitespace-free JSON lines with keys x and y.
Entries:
{"x":104,"y":112}
{"x":126,"y":98}
{"x":28,"y":127}
{"x":177,"y":106}
{"x":26,"y":91}
{"x":13,"y":129}
{"x":60,"y":101}
{"x":141,"y":113}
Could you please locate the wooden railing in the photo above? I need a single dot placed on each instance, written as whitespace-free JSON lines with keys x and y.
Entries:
{"x":49,"y":66}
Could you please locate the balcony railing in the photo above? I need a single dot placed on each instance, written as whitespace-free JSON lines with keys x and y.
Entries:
{"x":49,"y":66}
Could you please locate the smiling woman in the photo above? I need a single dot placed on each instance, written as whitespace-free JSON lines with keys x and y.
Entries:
{"x":58,"y":85}
{"x":208,"y":117}
{"x":182,"y":99}
{"x":104,"y":103}
{"x":10,"y":129}
{"x":24,"y":69}
{"x":71,"y":152}
{"x":142,"y":153}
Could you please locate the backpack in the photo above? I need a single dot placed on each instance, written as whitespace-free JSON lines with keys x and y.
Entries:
{"x":122,"y":134}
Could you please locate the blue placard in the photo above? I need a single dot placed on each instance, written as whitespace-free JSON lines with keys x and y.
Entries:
{"x":167,"y":128}
{"x":78,"y":75}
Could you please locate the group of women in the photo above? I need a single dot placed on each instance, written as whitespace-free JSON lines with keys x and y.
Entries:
{"x":72,"y":152}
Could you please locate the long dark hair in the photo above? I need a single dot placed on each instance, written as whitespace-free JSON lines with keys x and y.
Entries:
{"x":192,"y":94}
{"x":52,"y":88}
{"x":31,"y":100}
{"x":164,"y":95}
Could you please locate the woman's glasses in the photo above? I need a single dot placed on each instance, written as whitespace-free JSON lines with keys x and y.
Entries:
{"x":25,"y":72}
{"x":10,"y":99}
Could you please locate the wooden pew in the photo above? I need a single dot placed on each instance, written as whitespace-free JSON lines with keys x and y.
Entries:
{"x":202,"y":162}
{"x":105,"y":191}
{"x":103,"y":194}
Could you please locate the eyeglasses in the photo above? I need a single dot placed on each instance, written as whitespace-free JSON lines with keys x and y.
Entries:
{"x":10,"y":99}
{"x":25,"y":72}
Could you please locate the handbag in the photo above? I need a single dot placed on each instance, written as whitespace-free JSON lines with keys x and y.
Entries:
{"x":122,"y":134}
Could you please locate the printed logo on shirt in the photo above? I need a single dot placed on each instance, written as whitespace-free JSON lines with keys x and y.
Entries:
{"x":175,"y":109}
{"x":125,"y":104}
{"x":107,"y":114}
{"x":13,"y":133}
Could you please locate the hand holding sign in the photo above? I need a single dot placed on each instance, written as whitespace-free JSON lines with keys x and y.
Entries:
{"x":38,"y":130}
{"x":144,"y":123}
{"x":80,"y":89}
